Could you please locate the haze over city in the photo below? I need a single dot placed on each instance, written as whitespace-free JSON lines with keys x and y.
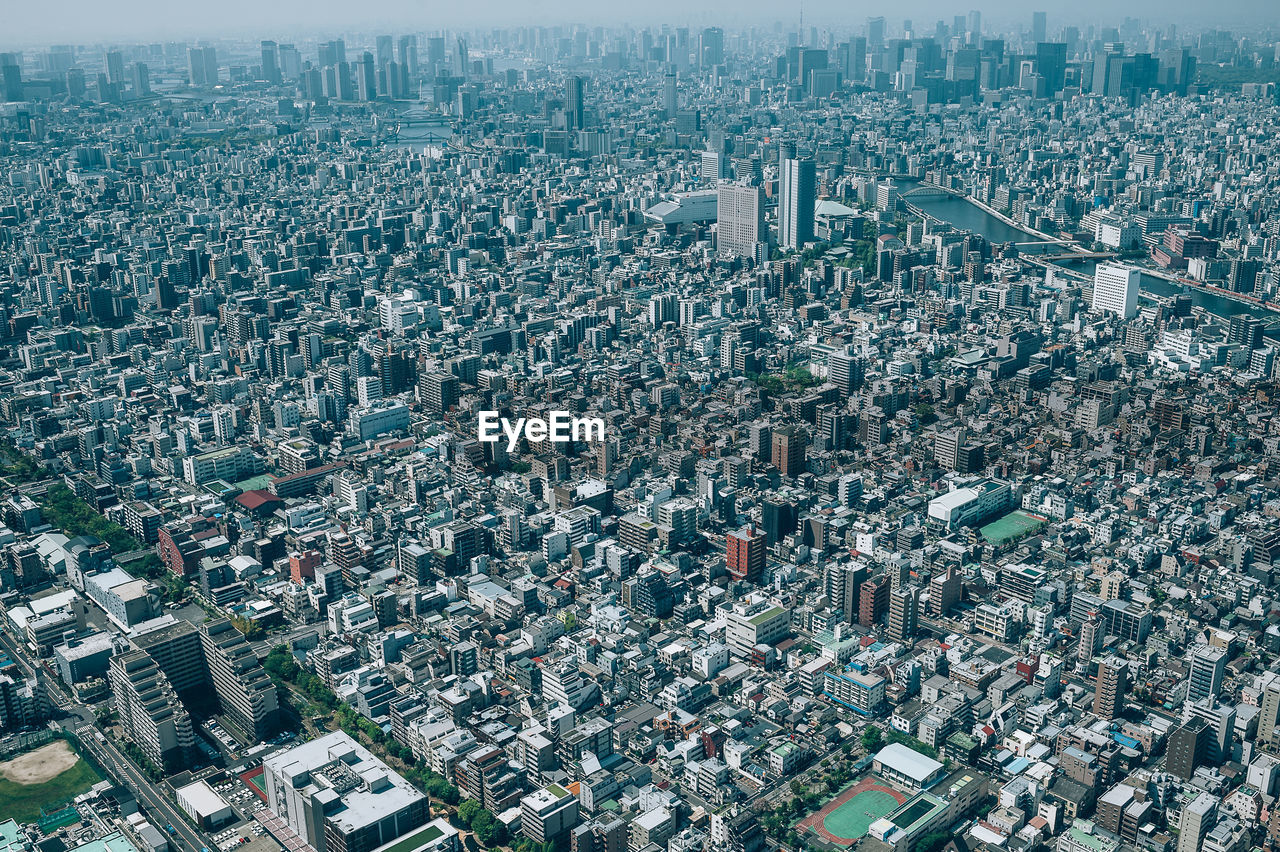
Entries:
{"x":712,"y":427}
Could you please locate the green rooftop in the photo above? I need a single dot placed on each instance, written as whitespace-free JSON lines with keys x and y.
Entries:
{"x":757,"y":620}
{"x":1014,"y":525}
{"x":1085,"y":840}
{"x":428,"y":834}
{"x":557,"y":791}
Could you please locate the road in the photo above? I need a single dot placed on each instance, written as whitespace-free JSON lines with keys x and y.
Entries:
{"x":162,"y":811}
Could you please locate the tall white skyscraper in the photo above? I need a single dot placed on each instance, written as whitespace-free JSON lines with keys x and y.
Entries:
{"x":739,"y":219}
{"x":669,"y":103}
{"x":796,"y":196}
{"x":1115,"y":289}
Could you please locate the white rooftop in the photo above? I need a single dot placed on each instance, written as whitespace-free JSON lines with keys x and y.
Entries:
{"x":908,"y":761}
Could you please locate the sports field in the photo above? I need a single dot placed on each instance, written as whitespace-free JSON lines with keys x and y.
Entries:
{"x":845,"y":819}
{"x":1013,"y":525}
{"x":42,"y":781}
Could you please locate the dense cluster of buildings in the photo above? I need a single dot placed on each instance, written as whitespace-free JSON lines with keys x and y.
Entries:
{"x":937,"y":380}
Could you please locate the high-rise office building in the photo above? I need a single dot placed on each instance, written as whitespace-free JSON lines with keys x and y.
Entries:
{"x":875,"y":33}
{"x":669,"y":102}
{"x":1051,"y":63}
{"x":745,"y":552}
{"x":1039,"y":27}
{"x":711,"y":48}
{"x":383,"y":46}
{"x":271,"y":63}
{"x":779,"y":518}
{"x":1115,"y":290}
{"x":10,"y":80}
{"x":202,"y":66}
{"x":1112,"y":684}
{"x":141,"y":80}
{"x":740,"y":225}
{"x":407,"y":53}
{"x":113,"y":64}
{"x":573,"y":102}
{"x":367,"y":78}
{"x":797,"y":192}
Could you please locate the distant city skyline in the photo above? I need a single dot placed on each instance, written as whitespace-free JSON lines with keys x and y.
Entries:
{"x":139,"y":20}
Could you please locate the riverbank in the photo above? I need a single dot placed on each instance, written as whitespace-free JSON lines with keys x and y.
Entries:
{"x":969,"y":214}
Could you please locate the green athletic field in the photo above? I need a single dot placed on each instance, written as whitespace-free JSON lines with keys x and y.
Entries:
{"x":851,"y":820}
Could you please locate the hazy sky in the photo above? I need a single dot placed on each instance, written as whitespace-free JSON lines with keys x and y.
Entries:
{"x":35,"y":22}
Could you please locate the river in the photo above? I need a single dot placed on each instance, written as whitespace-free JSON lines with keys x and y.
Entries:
{"x":967,"y":216}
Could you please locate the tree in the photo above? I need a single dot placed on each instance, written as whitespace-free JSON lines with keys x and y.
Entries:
{"x":933,"y":841}
{"x":871,"y":738}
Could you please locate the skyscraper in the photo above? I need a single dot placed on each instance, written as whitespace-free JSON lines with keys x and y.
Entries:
{"x":141,"y":80}
{"x":740,"y":226}
{"x":407,"y":53}
{"x":10,"y":81}
{"x":1115,"y":290}
{"x":875,"y":33}
{"x":711,"y":48}
{"x":114,"y":62}
{"x":669,"y":104}
{"x":202,"y":65}
{"x":367,"y":78}
{"x":573,"y":97}
{"x":796,"y":199}
{"x":1051,"y":62}
{"x":271,"y":63}
{"x":1039,"y":27}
